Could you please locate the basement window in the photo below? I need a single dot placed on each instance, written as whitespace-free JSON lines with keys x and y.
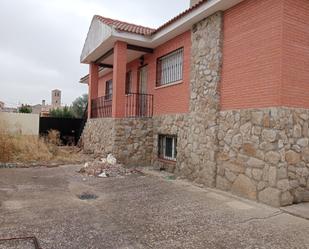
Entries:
{"x":168,"y":147}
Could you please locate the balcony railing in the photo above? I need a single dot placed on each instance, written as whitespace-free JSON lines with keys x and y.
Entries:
{"x":136,"y":105}
{"x":101,"y":107}
{"x":139,"y":105}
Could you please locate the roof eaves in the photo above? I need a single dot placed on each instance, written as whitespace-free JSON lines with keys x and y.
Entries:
{"x":182,"y":14}
{"x":125,"y":26}
{"x":142,"y":30}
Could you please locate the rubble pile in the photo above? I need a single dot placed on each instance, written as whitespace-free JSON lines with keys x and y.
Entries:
{"x":106,"y":167}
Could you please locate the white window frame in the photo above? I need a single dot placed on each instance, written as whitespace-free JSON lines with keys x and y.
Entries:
{"x":170,"y":68}
{"x":162,"y":147}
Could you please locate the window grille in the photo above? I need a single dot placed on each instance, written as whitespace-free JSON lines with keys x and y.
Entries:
{"x":170,"y":68}
{"x":168,"y":147}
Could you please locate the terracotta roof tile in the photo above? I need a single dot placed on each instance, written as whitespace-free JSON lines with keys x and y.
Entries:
{"x":141,"y":30}
{"x":126,"y":27}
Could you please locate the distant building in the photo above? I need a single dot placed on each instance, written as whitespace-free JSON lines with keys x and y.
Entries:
{"x":9,"y":109}
{"x":6,"y":109}
{"x":56,"y":98}
{"x":44,"y":109}
{"x":36,"y":109}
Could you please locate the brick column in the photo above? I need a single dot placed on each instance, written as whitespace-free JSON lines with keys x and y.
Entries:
{"x":119,"y":77}
{"x":92,"y":85}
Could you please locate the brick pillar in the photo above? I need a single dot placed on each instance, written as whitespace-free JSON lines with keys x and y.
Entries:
{"x":93,"y":85}
{"x":119,"y":77}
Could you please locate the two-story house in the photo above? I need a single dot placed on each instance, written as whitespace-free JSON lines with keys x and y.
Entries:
{"x":219,"y":95}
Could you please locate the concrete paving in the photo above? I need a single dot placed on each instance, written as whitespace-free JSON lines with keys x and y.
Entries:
{"x":300,"y":210}
{"x":136,"y":212}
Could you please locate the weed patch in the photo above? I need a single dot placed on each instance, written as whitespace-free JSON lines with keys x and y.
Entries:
{"x":27,"y":149}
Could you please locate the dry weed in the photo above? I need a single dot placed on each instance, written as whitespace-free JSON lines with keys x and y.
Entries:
{"x":25,"y":149}
{"x":53,"y":137}
{"x":7,"y":146}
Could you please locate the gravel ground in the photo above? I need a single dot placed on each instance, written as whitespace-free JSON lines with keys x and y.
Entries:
{"x":136,"y":211}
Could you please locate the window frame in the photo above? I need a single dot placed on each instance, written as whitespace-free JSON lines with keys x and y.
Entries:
{"x":128,"y":90}
{"x":159,"y":70}
{"x":108,"y":89}
{"x":162,"y":147}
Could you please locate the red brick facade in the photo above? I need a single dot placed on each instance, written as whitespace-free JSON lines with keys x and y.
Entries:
{"x":265,"y":61}
{"x":266,"y":55}
{"x":252,"y":55}
{"x":172,"y":98}
{"x":295,"y":60}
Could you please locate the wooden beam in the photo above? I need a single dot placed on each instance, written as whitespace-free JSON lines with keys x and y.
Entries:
{"x":105,"y":65}
{"x":140,"y":49}
{"x":104,"y":56}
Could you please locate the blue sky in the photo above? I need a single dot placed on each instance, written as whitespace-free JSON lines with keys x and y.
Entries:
{"x":41,"y":41}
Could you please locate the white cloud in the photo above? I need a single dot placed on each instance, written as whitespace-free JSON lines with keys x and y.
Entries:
{"x":14,"y":63}
{"x":41,"y":41}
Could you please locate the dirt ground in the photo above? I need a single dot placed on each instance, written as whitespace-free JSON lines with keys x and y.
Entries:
{"x":136,"y":211}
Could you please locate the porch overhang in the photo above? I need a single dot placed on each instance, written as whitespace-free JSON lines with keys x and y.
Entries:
{"x":102,"y":37}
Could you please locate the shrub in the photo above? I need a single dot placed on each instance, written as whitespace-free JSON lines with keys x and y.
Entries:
{"x":25,"y":109}
{"x":65,"y":112}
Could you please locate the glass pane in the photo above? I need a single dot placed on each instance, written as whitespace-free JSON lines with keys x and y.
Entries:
{"x":128,"y":82}
{"x":170,"y":67}
{"x":160,"y":145}
{"x":175,"y":147}
{"x":169,"y":147}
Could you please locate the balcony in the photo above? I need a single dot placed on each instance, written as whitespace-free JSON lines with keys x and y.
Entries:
{"x":101,"y":107}
{"x":137,"y":105}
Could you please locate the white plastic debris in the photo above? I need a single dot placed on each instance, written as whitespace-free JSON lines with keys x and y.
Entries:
{"x":111,"y":159}
{"x":103,"y":175}
{"x":86,"y":165}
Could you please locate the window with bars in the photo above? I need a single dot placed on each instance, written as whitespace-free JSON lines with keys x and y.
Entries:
{"x":167,"y":147}
{"x":170,"y":68}
{"x":128,"y":82}
{"x":108,"y":89}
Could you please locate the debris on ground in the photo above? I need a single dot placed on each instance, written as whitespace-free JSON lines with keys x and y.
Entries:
{"x":106,"y":167}
{"x":111,"y":159}
{"x":170,"y":177}
{"x":87,"y":196}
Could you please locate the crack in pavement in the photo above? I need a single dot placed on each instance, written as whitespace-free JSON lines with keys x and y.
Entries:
{"x":263,"y":218}
{"x":295,"y":214}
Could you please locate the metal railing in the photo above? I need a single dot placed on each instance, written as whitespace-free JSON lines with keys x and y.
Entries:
{"x":139,"y":105}
{"x":101,"y":107}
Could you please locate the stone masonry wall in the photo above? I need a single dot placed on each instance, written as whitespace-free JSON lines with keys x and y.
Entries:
{"x":130,"y":140}
{"x":264,"y":154}
{"x":97,"y":136}
{"x":198,"y":162}
{"x":170,"y":125}
{"x":133,"y":143}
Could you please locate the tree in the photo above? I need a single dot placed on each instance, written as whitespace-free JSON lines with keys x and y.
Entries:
{"x":65,"y":112}
{"x":79,"y":106}
{"x":25,"y":109}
